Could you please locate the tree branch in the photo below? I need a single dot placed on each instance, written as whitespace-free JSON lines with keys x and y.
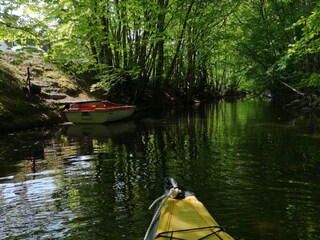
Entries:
{"x":292,"y":88}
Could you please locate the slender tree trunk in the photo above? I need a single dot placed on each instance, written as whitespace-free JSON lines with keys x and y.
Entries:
{"x":177,"y":51}
{"x":106,"y":51}
{"x":124,"y":46}
{"x":94,"y":50}
{"x":191,"y":55}
{"x":160,"y":44}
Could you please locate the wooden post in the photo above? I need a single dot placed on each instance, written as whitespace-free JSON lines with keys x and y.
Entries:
{"x":28,"y":82}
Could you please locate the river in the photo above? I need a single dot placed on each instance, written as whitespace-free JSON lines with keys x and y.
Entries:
{"x":255,"y":166}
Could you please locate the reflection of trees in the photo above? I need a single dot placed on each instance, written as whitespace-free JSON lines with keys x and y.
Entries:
{"x":243,"y":152}
{"x":24,"y":151}
{"x":238,"y":157}
{"x":261,"y":156}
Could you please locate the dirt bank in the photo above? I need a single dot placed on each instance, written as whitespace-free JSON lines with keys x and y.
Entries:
{"x":18,"y":108}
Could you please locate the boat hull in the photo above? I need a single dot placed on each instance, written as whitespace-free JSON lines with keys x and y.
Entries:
{"x":99,"y":115}
{"x":98,"y":112}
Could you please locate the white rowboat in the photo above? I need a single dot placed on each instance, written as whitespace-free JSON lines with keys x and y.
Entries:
{"x":98,"y":112}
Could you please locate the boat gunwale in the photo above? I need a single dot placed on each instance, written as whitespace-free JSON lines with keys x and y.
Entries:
{"x":100,"y":108}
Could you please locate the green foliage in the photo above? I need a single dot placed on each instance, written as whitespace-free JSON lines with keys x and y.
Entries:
{"x":269,"y":42}
{"x":299,"y":64}
{"x":309,"y":42}
{"x":191,"y":46}
{"x":4,"y":112}
{"x":116,"y":81}
{"x":311,"y":82}
{"x":108,"y":80}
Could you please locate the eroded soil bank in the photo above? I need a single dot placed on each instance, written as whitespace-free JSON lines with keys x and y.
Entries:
{"x":21,"y":109}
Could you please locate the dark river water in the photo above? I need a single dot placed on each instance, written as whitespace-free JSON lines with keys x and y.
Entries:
{"x":254,"y":166}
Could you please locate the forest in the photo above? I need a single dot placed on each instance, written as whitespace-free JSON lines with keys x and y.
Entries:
{"x":175,"y":50}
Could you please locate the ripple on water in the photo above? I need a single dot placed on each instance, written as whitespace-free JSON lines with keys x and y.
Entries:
{"x":27,"y":208}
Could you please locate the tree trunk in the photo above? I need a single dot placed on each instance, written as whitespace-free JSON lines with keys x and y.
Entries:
{"x":174,"y":60}
{"x":106,"y":52}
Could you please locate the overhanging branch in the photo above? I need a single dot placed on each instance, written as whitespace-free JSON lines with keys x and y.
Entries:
{"x":292,"y":88}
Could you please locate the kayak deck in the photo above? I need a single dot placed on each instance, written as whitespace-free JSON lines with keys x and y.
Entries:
{"x":188,"y":219}
{"x":179,"y":215}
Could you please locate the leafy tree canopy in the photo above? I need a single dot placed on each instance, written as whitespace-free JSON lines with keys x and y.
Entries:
{"x":185,"y":48}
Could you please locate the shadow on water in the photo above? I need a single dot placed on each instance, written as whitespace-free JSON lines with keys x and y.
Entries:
{"x":254,"y":166}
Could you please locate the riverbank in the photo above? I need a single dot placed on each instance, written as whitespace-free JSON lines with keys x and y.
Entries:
{"x":21,"y":108}
{"x":40,"y":102}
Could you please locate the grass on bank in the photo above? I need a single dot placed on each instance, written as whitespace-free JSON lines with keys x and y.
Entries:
{"x":19,"y":109}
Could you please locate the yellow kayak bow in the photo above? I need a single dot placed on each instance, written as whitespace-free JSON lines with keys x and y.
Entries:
{"x":179,"y":215}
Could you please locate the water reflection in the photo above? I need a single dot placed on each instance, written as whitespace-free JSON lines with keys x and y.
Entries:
{"x":28,"y":210}
{"x":254,"y":166}
{"x":99,"y":130}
